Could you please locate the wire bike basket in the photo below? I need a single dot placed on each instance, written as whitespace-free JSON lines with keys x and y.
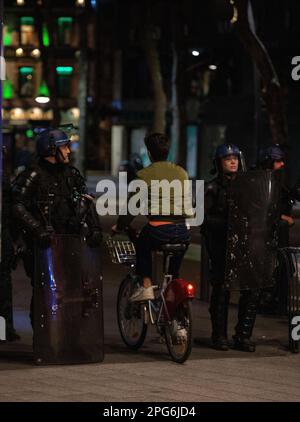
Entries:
{"x":121,"y":251}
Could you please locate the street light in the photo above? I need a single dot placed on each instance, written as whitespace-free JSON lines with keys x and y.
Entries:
{"x":19,"y":52}
{"x":36,"y":53}
{"x":42,"y":100}
{"x":212,"y":67}
{"x":195,"y":53}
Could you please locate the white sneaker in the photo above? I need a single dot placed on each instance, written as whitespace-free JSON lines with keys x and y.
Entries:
{"x":181,"y":336}
{"x":142,"y":294}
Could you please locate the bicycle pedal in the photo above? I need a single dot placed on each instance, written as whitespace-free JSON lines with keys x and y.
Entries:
{"x":146,"y":315}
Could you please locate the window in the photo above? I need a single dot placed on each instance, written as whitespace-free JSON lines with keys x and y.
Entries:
{"x":45,"y":36}
{"x":65,"y":24}
{"x":8,"y":91}
{"x":26,"y":81}
{"x":11,"y":30}
{"x":64,"y":79}
{"x":28,"y":36}
{"x":7,"y":35}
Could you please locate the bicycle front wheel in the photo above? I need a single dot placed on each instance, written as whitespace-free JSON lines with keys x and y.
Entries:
{"x":131,"y":321}
{"x":178,"y":333}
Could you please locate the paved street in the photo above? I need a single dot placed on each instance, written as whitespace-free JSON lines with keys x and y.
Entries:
{"x":270,"y":374}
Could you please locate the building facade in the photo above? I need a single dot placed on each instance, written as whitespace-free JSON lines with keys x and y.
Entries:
{"x":44,"y":46}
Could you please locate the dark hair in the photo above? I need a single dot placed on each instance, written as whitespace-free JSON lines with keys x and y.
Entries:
{"x":158,"y":145}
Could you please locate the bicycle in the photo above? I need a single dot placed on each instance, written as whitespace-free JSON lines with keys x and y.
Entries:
{"x":170,"y":311}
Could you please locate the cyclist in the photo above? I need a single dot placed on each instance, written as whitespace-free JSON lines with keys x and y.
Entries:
{"x":161,"y":228}
{"x":51,"y":197}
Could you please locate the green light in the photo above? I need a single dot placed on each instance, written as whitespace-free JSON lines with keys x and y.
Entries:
{"x":29,"y":133}
{"x":46,"y":38}
{"x":65,"y":19}
{"x":7,"y":38}
{"x":26,"y":70}
{"x":8,"y":91}
{"x":27,"y":20}
{"x":64,"y":70}
{"x":43,"y":90}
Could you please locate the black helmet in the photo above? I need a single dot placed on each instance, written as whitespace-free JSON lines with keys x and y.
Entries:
{"x":49,"y":140}
{"x":271,"y":154}
{"x":227,"y":149}
{"x":224,"y":150}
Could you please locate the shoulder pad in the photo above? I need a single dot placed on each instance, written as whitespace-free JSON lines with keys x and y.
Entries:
{"x":27,"y":176}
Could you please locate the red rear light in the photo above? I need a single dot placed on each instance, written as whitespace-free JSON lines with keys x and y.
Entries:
{"x":190,"y":289}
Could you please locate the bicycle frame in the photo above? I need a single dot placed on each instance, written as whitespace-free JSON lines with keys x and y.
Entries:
{"x":173,"y":293}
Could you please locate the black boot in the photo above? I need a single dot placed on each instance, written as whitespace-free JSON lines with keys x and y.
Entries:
{"x":246,"y":320}
{"x":219,"y":316}
{"x":220,"y":343}
{"x":243,"y":344}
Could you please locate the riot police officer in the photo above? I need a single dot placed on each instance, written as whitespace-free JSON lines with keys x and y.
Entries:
{"x":273,"y":158}
{"x":51,"y":197}
{"x":227,"y":161}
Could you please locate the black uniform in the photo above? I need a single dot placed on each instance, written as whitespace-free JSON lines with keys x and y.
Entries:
{"x":47,"y":198}
{"x":214,"y":230}
{"x":275,"y":300}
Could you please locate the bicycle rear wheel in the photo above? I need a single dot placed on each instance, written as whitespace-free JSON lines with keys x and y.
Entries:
{"x":131,"y":322}
{"x":178,"y":333}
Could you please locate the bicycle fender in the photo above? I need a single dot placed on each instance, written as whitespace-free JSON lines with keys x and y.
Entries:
{"x":178,"y":291}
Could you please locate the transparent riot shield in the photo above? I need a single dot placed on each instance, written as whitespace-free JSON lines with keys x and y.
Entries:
{"x":68,"y":311}
{"x":291,"y":258}
{"x":252,"y":242}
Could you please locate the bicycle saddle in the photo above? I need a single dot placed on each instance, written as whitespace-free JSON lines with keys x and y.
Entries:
{"x":173,"y":247}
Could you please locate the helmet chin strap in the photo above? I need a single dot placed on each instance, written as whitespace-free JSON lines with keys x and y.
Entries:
{"x":59,"y":157}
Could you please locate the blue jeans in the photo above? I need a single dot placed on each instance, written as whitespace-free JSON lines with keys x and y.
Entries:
{"x":151,"y":238}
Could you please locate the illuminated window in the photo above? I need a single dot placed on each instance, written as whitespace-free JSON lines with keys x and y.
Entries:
{"x":8,"y":91}
{"x":28,"y":36}
{"x":64,"y":80}
{"x":45,"y":35}
{"x":65,"y":25}
{"x":26,"y":81}
{"x":11,"y":34}
{"x":7,"y":35}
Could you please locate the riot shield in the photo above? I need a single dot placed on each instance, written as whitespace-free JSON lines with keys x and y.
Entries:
{"x":251,"y":256}
{"x":68,"y":312}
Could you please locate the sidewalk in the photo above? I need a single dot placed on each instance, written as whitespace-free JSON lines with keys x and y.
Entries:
{"x":270,"y":374}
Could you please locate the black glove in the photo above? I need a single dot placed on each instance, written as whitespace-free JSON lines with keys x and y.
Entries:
{"x":95,"y":239}
{"x":43,"y":240}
